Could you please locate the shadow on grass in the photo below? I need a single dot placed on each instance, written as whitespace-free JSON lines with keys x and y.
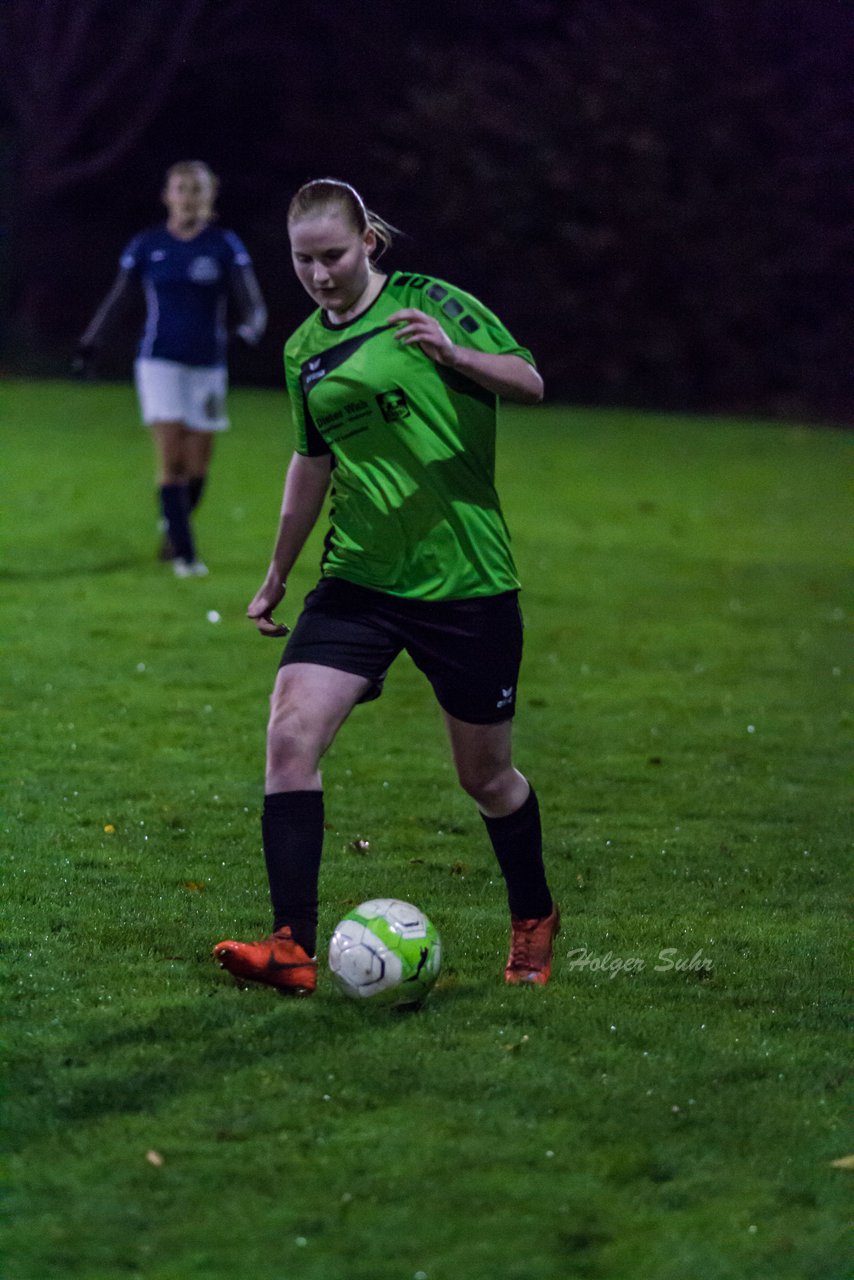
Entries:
{"x":199,"y":1045}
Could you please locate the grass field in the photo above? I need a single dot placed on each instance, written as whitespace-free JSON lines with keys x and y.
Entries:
{"x":683,"y":717}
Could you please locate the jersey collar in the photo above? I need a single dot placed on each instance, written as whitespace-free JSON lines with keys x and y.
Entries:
{"x":338,"y":328}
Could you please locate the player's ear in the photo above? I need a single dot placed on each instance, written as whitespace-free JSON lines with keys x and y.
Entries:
{"x":370,"y":241}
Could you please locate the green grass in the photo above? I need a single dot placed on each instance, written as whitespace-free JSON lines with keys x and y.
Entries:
{"x":682,"y":715}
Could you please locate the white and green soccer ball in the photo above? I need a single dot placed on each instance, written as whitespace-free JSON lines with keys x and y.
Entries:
{"x":385,"y":950}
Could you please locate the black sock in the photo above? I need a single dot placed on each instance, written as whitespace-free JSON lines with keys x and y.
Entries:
{"x":518,"y":843}
{"x":292,"y":827}
{"x":176,"y":513}
{"x":195,"y":488}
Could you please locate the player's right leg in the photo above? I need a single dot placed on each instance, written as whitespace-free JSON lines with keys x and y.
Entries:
{"x":308,"y":706}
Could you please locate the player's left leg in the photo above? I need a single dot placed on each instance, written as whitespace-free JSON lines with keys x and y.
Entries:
{"x":165,"y":407}
{"x":199,"y":454}
{"x":483,"y":760}
{"x":510,"y":811}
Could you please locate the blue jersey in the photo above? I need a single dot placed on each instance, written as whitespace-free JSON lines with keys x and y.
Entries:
{"x":186,"y":285}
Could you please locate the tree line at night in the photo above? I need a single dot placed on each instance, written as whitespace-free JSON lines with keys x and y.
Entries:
{"x":649,"y":195}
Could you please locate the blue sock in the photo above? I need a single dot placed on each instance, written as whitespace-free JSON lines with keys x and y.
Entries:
{"x":176,"y":512}
{"x":195,"y":487}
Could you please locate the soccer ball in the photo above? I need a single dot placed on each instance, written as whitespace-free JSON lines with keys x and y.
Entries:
{"x":387,"y":950}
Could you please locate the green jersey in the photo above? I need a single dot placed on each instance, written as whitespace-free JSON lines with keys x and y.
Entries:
{"x":414,"y":510}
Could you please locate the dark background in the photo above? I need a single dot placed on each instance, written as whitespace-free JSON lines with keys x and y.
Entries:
{"x":654,"y":197}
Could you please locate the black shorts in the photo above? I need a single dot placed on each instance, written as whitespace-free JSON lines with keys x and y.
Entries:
{"x":469,"y":650}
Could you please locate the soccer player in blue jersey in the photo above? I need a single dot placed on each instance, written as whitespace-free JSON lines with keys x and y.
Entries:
{"x":394,"y":383}
{"x":190,"y":271}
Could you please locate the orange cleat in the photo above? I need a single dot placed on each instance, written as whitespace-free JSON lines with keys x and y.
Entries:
{"x":530,"y":959}
{"x":278,"y":961}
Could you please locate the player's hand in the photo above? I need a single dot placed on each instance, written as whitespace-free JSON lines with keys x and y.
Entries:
{"x":417,"y":327}
{"x":83,"y":363}
{"x":247,"y":334}
{"x":261,"y":608}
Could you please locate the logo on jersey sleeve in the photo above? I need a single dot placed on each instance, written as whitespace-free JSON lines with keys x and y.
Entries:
{"x":394,"y":405}
{"x":203,"y":270}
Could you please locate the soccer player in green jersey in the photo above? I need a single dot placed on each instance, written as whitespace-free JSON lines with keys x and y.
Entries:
{"x":394,"y":384}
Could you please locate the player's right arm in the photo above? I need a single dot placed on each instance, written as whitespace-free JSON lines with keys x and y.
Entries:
{"x":106,"y":315}
{"x":306,"y":483}
{"x":112,"y":307}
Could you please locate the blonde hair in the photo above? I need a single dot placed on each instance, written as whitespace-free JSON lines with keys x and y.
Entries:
{"x":322,"y":194}
{"x":193,"y":168}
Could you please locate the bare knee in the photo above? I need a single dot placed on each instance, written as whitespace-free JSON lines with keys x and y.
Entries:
{"x":172,"y":469}
{"x":496,"y":791}
{"x":171,"y":445}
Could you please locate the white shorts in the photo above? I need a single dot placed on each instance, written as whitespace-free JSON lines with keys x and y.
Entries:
{"x":172,"y":392}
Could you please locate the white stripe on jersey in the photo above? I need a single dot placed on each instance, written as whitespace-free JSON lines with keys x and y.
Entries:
{"x":241,"y":257}
{"x":152,"y":317}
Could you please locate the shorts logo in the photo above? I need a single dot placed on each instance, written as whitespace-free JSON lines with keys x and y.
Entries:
{"x":394,"y":405}
{"x":203,"y":270}
{"x":506,"y":697}
{"x":213,"y":406}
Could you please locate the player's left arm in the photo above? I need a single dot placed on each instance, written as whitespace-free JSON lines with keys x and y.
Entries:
{"x":249,"y":301}
{"x":506,"y":375}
